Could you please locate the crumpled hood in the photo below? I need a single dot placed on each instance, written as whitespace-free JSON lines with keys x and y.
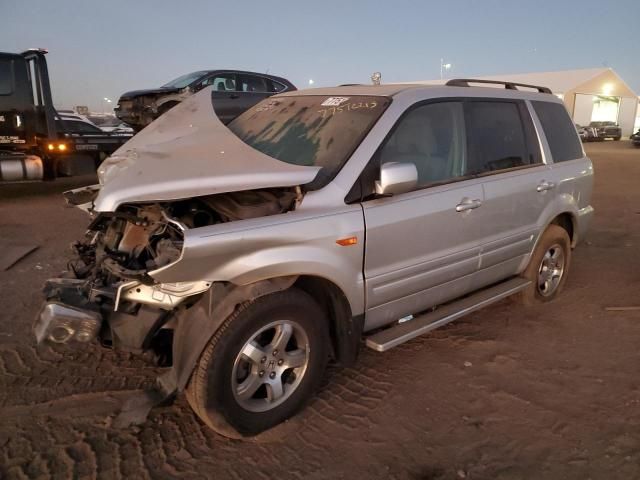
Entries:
{"x":188,"y":152}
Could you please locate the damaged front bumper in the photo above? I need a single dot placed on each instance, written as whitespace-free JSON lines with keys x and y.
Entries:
{"x":67,"y":315}
{"x":75,"y":313}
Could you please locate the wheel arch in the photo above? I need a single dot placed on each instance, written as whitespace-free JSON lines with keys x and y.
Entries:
{"x":345,"y":329}
{"x":563,"y":211}
{"x":568,"y":221}
{"x":565,"y":219}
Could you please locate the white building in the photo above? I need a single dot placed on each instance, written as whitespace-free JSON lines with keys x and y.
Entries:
{"x":592,"y":94}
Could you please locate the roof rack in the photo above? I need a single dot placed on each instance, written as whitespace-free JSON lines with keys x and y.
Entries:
{"x":464,"y":82}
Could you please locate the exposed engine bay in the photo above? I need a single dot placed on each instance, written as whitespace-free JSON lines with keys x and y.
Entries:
{"x":108,"y":281}
{"x":140,"y":238}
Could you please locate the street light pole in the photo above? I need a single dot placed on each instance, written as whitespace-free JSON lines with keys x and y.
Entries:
{"x":443,"y":67}
{"x":105,"y":99}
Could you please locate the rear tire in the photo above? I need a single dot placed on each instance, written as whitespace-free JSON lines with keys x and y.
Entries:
{"x":262,"y":365}
{"x":548,"y":267}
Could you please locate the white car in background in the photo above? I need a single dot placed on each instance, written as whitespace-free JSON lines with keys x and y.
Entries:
{"x":111,"y":124}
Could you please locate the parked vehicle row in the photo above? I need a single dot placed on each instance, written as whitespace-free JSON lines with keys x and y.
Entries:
{"x":36,"y":141}
{"x":247,"y":256}
{"x":607,"y":130}
{"x":599,"y":131}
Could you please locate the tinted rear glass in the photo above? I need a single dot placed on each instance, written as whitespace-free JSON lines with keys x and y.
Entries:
{"x":6,"y":76}
{"x":559,"y":130}
{"x":310,"y":130}
{"x":496,"y":137}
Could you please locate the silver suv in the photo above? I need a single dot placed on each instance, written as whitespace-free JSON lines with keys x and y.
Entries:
{"x":245,"y":257}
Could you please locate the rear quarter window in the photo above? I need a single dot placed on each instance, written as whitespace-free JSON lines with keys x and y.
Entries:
{"x":559,"y":129}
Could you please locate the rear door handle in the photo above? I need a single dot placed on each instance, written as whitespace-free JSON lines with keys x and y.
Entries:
{"x":544,"y":186}
{"x":468,"y":204}
{"x":234,"y":96}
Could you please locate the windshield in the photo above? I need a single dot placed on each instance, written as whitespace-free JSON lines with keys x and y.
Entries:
{"x":310,"y":130}
{"x":185,"y":80}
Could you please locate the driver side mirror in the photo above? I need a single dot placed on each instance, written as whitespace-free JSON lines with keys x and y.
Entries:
{"x":397,"y":177}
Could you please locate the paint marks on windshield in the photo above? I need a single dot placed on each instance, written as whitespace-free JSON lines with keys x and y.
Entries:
{"x":268,"y":105}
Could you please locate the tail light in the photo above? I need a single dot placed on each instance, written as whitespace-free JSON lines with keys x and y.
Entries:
{"x":57,"y":147}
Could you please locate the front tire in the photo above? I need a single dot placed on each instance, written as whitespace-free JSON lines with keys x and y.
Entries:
{"x":548,"y":267}
{"x":262,"y":365}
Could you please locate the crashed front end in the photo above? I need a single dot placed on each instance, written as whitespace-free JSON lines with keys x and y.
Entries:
{"x":108,"y":284}
{"x":138,"y":109}
{"x":184,"y":172}
{"x":109,"y":291}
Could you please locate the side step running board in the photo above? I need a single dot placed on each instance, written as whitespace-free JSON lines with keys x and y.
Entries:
{"x":394,"y":336}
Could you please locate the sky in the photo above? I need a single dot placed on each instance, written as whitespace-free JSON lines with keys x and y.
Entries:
{"x":103,"y":48}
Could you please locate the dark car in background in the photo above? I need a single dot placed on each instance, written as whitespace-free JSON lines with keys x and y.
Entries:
{"x":607,"y":130}
{"x":233,"y":92}
{"x":635,"y":138}
{"x":587,"y":134}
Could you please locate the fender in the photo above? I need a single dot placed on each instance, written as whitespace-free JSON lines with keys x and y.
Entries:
{"x":563,"y":204}
{"x":196,"y":325}
{"x":248,"y":251}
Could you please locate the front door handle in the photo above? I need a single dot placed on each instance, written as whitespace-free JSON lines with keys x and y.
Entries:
{"x":468,"y":204}
{"x":544,"y":186}
{"x":234,"y":96}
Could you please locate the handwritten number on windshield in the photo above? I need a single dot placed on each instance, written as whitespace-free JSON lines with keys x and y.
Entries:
{"x":349,"y":107}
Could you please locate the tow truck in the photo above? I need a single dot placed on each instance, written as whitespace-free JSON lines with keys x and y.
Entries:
{"x":35,"y":143}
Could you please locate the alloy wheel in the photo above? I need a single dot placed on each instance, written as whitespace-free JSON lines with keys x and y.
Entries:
{"x":270,"y":366}
{"x":551,"y":270}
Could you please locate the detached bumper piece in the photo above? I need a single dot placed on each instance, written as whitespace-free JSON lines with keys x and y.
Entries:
{"x":61,"y":323}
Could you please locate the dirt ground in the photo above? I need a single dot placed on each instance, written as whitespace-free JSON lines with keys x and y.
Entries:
{"x":507,"y":393}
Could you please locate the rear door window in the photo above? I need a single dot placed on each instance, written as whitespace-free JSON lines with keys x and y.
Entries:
{"x":225,"y":82}
{"x":6,"y":76}
{"x":558,"y":128}
{"x":252,"y":83}
{"x":497,"y":138}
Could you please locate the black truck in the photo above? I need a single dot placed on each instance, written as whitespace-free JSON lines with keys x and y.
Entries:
{"x":34,"y":143}
{"x":607,"y":130}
